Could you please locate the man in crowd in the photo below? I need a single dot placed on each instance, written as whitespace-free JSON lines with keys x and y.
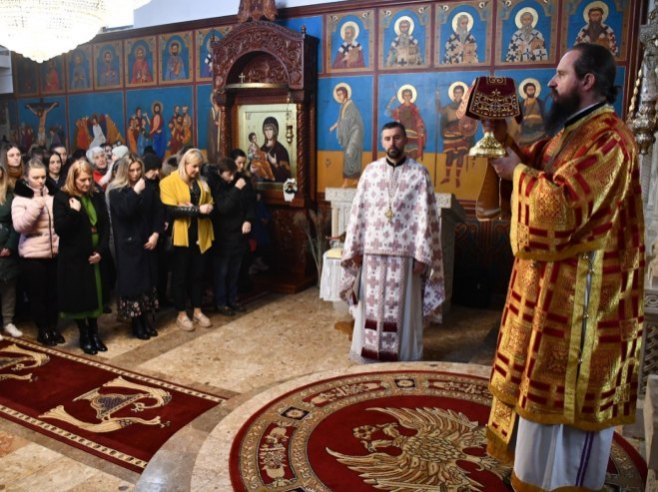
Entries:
{"x":392,"y":261}
{"x":566,"y":366}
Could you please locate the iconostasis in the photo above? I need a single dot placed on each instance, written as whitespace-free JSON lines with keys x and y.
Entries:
{"x":406,"y":61}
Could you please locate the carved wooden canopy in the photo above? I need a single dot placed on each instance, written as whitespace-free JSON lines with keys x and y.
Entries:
{"x":260,"y":62}
{"x":256,"y":10}
{"x":265,"y":53}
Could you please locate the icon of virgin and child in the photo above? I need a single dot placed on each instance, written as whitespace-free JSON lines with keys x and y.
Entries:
{"x":270,"y":162}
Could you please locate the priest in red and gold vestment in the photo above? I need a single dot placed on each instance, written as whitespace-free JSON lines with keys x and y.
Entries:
{"x":392,"y":262}
{"x":566,"y":365}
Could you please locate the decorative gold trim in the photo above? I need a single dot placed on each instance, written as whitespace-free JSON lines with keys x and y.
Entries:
{"x":256,"y":85}
{"x":122,"y":372}
{"x":74,"y":438}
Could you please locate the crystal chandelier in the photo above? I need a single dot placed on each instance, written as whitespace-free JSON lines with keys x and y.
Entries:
{"x":43,"y":29}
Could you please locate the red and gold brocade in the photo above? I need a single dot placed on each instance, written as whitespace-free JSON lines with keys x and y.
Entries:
{"x":576,"y":213}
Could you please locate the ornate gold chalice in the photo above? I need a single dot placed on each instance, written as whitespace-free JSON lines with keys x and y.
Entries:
{"x":492,"y":100}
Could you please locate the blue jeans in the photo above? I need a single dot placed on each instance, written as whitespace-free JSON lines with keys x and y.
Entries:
{"x":226,"y":269}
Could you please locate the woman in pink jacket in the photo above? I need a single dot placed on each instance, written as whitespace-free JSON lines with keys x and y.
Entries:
{"x":32,"y":214}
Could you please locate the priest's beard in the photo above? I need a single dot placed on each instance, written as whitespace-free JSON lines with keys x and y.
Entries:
{"x":394,"y":153}
{"x":562,"y":109}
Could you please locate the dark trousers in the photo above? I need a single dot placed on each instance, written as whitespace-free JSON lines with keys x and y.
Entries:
{"x":41,"y":281}
{"x":163,"y":264}
{"x":187,"y":265}
{"x":226,"y":270}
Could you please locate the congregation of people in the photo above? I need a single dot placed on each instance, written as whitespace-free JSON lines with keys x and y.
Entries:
{"x":80,"y":231}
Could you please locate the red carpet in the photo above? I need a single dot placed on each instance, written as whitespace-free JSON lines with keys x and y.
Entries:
{"x":118,"y":415}
{"x":398,"y":431}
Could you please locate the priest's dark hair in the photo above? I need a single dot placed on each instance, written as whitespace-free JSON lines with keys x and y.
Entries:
{"x":599,"y":61}
{"x":395,"y":124}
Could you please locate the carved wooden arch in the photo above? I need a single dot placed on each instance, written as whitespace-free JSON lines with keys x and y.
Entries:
{"x":287,"y":47}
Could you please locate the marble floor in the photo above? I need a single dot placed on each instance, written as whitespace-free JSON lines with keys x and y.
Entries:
{"x":279,"y":338}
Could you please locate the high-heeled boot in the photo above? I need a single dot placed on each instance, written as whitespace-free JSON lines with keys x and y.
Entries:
{"x":139,"y":330}
{"x":44,"y":337}
{"x":85,"y":340}
{"x":56,"y":335}
{"x":93,"y":334}
{"x":149,"y":324}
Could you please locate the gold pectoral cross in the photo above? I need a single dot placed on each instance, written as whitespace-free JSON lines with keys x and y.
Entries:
{"x":389,"y":214}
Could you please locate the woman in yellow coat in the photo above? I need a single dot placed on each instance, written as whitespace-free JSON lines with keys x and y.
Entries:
{"x":189,"y":203}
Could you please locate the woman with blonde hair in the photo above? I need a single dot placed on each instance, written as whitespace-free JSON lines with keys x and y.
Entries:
{"x":9,"y":268}
{"x":188,"y":201}
{"x":82,"y":224}
{"x":137,"y":218}
{"x":32,"y":214}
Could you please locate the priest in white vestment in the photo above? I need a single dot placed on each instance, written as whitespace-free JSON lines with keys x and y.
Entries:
{"x":392,"y":261}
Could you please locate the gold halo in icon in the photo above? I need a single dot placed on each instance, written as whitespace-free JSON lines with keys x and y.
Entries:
{"x":526,"y":10}
{"x":345,"y":86}
{"x":396,"y":26}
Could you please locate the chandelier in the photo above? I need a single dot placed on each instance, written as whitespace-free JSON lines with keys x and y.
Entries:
{"x":43,"y":29}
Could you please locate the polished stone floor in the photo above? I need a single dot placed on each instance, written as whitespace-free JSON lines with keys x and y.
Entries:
{"x":279,"y":338}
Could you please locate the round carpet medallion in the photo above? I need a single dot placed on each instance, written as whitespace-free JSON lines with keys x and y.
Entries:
{"x":397,"y":431}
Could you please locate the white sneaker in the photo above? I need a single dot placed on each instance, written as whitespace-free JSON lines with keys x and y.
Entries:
{"x":185,"y":324}
{"x":203,"y":320}
{"x":10,"y":329}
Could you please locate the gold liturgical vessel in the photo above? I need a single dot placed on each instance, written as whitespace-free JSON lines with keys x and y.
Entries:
{"x":491,"y":100}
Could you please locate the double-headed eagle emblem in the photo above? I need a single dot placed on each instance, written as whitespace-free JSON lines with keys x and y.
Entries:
{"x":428,"y":458}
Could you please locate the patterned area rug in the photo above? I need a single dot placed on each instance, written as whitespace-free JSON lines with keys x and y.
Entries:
{"x":398,"y":431}
{"x":118,"y":415}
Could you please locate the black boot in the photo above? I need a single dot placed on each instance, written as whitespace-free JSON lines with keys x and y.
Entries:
{"x":93,"y":334}
{"x":56,"y":335}
{"x":149,"y":324}
{"x":44,"y":337}
{"x":85,"y":340}
{"x":138,"y":329}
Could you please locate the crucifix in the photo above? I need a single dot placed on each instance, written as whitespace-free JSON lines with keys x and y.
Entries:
{"x":242,"y":77}
{"x":41,"y":110}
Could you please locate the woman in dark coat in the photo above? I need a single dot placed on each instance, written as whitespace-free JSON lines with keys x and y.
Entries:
{"x":137,"y":222}
{"x":82,"y":224}
{"x":235,"y":212}
{"x":55,"y":176}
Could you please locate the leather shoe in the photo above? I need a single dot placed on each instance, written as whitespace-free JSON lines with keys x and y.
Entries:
{"x":238,"y":308}
{"x":225,"y":310}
